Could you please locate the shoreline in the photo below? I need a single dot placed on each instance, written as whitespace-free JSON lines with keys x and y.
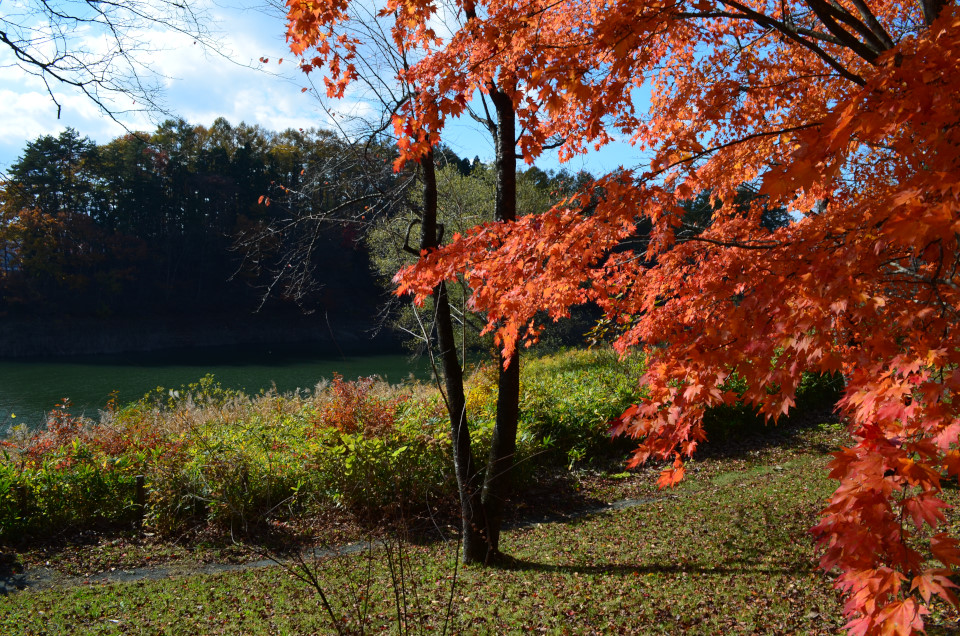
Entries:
{"x":24,"y":339}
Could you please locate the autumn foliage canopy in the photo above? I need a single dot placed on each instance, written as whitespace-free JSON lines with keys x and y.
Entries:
{"x":843,"y":112}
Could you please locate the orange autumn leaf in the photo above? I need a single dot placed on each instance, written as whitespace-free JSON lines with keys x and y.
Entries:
{"x":849,"y":126}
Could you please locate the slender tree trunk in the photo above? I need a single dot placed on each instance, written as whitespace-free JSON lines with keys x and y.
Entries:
{"x":506,"y":158}
{"x":503,"y":447}
{"x":475,"y":545}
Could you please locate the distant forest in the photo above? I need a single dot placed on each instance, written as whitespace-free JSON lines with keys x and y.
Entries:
{"x":198,"y":221}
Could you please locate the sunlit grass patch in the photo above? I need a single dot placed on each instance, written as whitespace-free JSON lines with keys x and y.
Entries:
{"x":726,"y":555}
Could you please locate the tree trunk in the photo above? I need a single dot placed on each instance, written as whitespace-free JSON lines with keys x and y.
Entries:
{"x":503,"y":450}
{"x":503,"y":447}
{"x":475,"y":545}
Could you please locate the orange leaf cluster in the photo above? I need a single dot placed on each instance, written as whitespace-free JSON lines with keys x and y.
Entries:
{"x":843,"y":113}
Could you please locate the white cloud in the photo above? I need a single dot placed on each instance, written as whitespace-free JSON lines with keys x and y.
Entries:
{"x":23,"y":115}
{"x":262,"y":105}
{"x":446,"y":20}
{"x":29,"y":114}
{"x":201,"y":85}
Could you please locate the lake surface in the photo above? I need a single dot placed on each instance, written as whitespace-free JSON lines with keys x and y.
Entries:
{"x":30,"y":388}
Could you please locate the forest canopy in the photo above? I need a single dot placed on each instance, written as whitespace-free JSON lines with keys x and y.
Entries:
{"x":195,"y":220}
{"x":149,"y":223}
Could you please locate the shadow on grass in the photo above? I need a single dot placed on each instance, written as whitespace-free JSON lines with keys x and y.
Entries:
{"x":731,"y":428}
{"x":732,"y":432}
{"x":12,"y":576}
{"x":550,"y":497}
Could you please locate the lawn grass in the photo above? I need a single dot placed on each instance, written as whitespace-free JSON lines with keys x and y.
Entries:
{"x":727,"y":552}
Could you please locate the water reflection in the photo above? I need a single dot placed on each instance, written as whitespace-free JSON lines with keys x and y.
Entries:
{"x":29,"y":388}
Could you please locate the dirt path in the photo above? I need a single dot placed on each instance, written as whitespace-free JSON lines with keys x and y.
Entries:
{"x":47,"y":577}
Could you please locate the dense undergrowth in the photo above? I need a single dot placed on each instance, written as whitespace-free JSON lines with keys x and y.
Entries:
{"x":211,"y":456}
{"x":727,"y":551}
{"x":205,"y":456}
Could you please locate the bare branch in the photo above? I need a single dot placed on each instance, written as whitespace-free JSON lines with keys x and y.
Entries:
{"x":51,"y":40}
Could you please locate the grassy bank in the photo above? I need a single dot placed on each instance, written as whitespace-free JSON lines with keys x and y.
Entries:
{"x":596,"y":549}
{"x":203,"y":456}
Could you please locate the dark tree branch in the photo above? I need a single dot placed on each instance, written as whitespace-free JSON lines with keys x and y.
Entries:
{"x":746,"y":13}
{"x":49,"y":39}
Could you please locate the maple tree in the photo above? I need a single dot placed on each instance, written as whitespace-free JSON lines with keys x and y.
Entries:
{"x":342,"y":39}
{"x":844,"y":113}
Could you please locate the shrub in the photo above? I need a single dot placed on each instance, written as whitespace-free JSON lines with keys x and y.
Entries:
{"x":355,"y":407}
{"x":56,"y":480}
{"x":567,"y":400}
{"x":738,"y":421}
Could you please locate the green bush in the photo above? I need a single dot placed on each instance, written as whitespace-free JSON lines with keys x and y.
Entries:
{"x":737,"y":421}
{"x":70,"y":487}
{"x":567,"y":401}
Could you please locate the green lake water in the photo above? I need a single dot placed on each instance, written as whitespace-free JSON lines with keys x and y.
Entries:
{"x":30,"y":388}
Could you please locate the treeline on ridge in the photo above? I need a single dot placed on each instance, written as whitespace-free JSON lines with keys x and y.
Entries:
{"x":198,"y":221}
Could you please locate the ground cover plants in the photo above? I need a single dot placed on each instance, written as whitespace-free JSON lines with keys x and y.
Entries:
{"x":211,"y":457}
{"x":235,"y":478}
{"x":726,"y":551}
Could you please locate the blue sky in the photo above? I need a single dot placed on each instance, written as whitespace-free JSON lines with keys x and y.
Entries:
{"x":200,"y":86}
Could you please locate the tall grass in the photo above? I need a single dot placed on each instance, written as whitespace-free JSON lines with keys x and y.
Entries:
{"x":212,"y":456}
{"x":202,"y":455}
